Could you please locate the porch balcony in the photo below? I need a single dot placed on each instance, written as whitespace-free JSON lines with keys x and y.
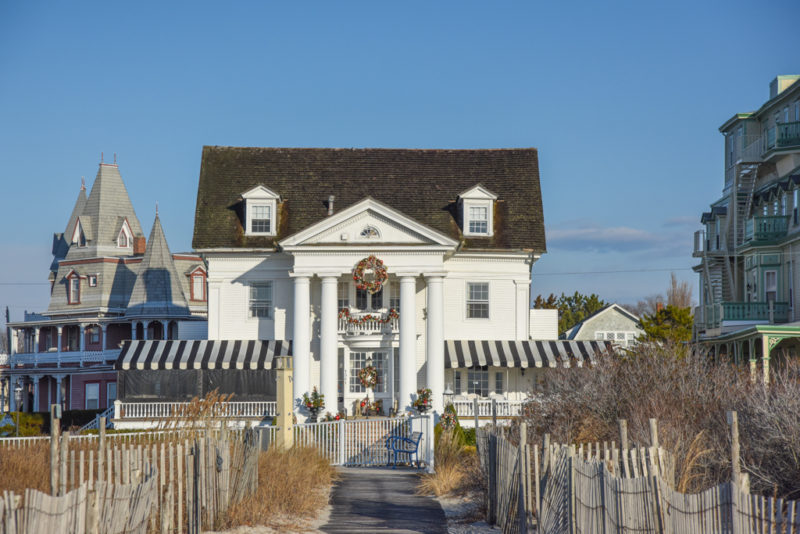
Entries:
{"x":51,"y":357}
{"x":765,"y":229}
{"x":700,"y":244}
{"x":753,"y":312}
{"x":505,"y":408}
{"x":363,"y":323}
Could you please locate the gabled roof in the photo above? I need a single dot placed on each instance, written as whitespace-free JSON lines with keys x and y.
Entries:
{"x":157,"y":290}
{"x":422,"y":184}
{"x":608,"y":308}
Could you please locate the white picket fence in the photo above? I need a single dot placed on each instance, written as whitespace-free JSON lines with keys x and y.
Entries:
{"x":360,"y":442}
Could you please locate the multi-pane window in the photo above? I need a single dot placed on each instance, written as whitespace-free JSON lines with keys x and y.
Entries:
{"x":394,"y":296}
{"x":377,"y":300}
{"x":111,"y":393}
{"x":478,"y":220}
{"x":623,"y":339}
{"x":477,"y":300}
{"x":457,"y":376}
{"x":261,"y":299}
{"x":478,"y":382}
{"x":261,"y":219}
{"x":198,"y":287}
{"x":343,"y":298}
{"x":94,"y":334}
{"x":771,"y":286}
{"x":360,"y":360}
{"x":361,"y":299}
{"x":396,"y":369}
{"x":498,"y":382}
{"x":74,"y":293}
{"x":93,"y":396}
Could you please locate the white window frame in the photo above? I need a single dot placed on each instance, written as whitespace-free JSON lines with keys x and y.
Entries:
{"x":96,"y":385}
{"x":260,"y":196}
{"x":268,"y":303}
{"x":91,"y":280}
{"x":74,"y":289}
{"x":468,"y":300}
{"x":198,"y":276}
{"x":469,"y":205}
{"x":770,"y":287}
{"x":125,"y":232}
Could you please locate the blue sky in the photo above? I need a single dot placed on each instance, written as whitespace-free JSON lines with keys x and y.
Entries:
{"x":622,"y":99}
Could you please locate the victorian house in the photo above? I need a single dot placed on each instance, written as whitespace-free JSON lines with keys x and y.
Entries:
{"x":107,"y":284}
{"x":749,"y":309}
{"x":415,"y":262}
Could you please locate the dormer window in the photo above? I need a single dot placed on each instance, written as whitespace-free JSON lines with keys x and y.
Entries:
{"x":125,"y":236}
{"x":73,"y":288}
{"x":197,"y":287}
{"x":78,"y":235}
{"x":261,"y":207}
{"x":477,"y":211}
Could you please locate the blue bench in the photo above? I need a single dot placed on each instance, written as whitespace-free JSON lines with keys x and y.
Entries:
{"x":402,"y":445}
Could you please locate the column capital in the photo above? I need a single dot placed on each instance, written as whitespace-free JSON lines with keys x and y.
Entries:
{"x":300,"y":276}
{"x":435,"y":276}
{"x":331,"y":276}
{"x":407,"y":275}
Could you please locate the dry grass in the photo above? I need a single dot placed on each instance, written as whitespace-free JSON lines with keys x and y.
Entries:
{"x":24,"y":468}
{"x":293,"y":486}
{"x":457,"y":469}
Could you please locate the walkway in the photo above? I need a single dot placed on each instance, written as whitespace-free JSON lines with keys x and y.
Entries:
{"x":382,"y":500}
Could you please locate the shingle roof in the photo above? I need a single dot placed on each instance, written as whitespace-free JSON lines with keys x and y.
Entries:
{"x":158,"y":290}
{"x":61,"y":241}
{"x":423,"y":184}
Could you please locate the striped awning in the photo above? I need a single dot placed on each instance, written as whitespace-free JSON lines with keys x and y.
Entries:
{"x":200,"y":354}
{"x":468,"y":353}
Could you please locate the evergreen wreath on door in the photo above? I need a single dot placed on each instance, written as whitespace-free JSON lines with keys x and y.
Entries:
{"x":379,"y":276}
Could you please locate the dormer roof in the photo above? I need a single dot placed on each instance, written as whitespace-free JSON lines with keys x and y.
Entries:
{"x":260,"y":191}
{"x":477,"y":192}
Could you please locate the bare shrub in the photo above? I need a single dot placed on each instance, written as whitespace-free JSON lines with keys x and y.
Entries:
{"x":292,"y":487}
{"x":24,"y":468}
{"x":457,"y":468}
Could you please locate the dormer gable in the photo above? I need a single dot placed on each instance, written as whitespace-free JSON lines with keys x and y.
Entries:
{"x":476,"y":207}
{"x":125,"y":235}
{"x":78,"y":234}
{"x":260,"y":211}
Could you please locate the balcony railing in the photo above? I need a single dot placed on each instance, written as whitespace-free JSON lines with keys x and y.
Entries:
{"x":699,"y":242}
{"x":788,"y":134}
{"x":716,"y":315}
{"x":67,"y":357}
{"x":505,"y":408}
{"x":766,"y":228}
{"x":165,"y":410}
{"x":356,"y":323}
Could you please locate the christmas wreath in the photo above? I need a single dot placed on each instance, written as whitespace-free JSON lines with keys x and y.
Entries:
{"x":379,"y":274}
{"x":368,"y":376}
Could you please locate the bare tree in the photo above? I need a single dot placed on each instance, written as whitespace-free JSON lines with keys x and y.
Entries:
{"x":679,"y":294}
{"x":646,"y":306}
{"x":3,"y":340}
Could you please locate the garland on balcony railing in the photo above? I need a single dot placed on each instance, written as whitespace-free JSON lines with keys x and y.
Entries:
{"x":391,"y":314}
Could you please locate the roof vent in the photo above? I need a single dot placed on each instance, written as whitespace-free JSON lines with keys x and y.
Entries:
{"x":330,"y":204}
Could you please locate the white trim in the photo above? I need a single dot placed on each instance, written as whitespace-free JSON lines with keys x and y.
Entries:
{"x":467,"y":206}
{"x":126,"y":229}
{"x":477,"y":192}
{"x":260,"y":196}
{"x":467,"y":300}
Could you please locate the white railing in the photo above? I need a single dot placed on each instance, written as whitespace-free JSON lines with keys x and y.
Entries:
{"x":3,"y":359}
{"x":505,"y":408}
{"x":161,"y":410}
{"x":95,"y":423}
{"x":81,"y":357}
{"x":368,"y":323}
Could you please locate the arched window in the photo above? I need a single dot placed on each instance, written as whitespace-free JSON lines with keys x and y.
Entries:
{"x":370,"y":232}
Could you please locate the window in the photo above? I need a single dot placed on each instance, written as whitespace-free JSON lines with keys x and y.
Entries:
{"x":111,"y":394}
{"x":260,"y":221}
{"x":786,"y":114}
{"x":361,"y":299}
{"x":478,"y":220}
{"x":198,"y":286}
{"x":360,"y":360}
{"x":498,"y":382}
{"x":122,"y":239}
{"x":74,"y":290}
{"x":261,"y":299}
{"x":92,"y":396}
{"x":92,"y":279}
{"x":796,"y":197}
{"x":394,"y":295}
{"x":343,"y":300}
{"x":94,"y":334}
{"x":478,"y":382}
{"x":477,"y":300}
{"x":377,"y":300}
{"x":622,"y":339}
{"x":771,"y":286}
{"x":370,"y":232}
{"x":797,"y":111}
{"x":783,"y":204}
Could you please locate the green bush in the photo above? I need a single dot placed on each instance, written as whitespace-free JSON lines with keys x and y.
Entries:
{"x":30,"y":424}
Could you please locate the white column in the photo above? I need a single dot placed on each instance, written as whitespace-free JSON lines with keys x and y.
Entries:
{"x":408,"y":342}
{"x":434,"y":337}
{"x":301,"y":336}
{"x":328,"y":351}
{"x":35,"y":339}
{"x":164,"y":329}
{"x":523,"y":305}
{"x":58,"y":347}
{"x":103,"y":342}
{"x":82,"y":344}
{"x":14,"y":336}
{"x":35,"y":380}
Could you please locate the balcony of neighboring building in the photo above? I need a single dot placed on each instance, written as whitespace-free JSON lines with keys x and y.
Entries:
{"x":741,"y":313}
{"x":762,"y":230}
{"x":780,"y":138}
{"x":705,"y":245}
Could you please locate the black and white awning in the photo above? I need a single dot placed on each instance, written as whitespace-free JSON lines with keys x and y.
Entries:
{"x":468,"y":353}
{"x":201,"y":354}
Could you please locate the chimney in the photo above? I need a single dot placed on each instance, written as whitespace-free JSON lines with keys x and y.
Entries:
{"x":139,"y":245}
{"x":659,"y":306}
{"x":781,"y":83}
{"x":330,"y":204}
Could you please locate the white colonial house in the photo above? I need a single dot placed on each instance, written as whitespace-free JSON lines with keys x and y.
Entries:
{"x":417,"y":262}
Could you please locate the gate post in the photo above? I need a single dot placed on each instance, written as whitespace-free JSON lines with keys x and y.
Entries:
{"x":285,"y":438}
{"x":342,"y":441}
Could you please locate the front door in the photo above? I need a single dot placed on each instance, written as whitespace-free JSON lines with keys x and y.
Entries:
{"x":355,"y":392}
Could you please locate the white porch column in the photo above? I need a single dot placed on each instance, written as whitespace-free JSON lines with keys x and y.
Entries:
{"x":328,"y":350}
{"x":408,"y":342}
{"x":58,"y":378}
{"x":164,"y":329}
{"x":82,"y":344}
{"x":14,"y":337}
{"x":103,"y":330}
{"x":35,"y":380}
{"x":434,"y":337}
{"x":301,"y":335}
{"x":58,"y":347}
{"x":35,"y":339}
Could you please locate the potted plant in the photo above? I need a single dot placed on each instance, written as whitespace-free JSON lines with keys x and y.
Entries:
{"x":423,"y":401}
{"x":314,"y":403}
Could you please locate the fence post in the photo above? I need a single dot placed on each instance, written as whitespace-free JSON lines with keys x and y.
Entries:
{"x":653,"y":432}
{"x":623,"y":434}
{"x":342,"y":442}
{"x":475,"y":412}
{"x":62,"y":474}
{"x":524,"y":479}
{"x":571,"y":504}
{"x":492,"y":494}
{"x":494,"y":414}
{"x":55,"y":427}
{"x":736,"y":471}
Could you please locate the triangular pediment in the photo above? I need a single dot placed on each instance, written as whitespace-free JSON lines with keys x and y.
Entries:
{"x":368,"y":223}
